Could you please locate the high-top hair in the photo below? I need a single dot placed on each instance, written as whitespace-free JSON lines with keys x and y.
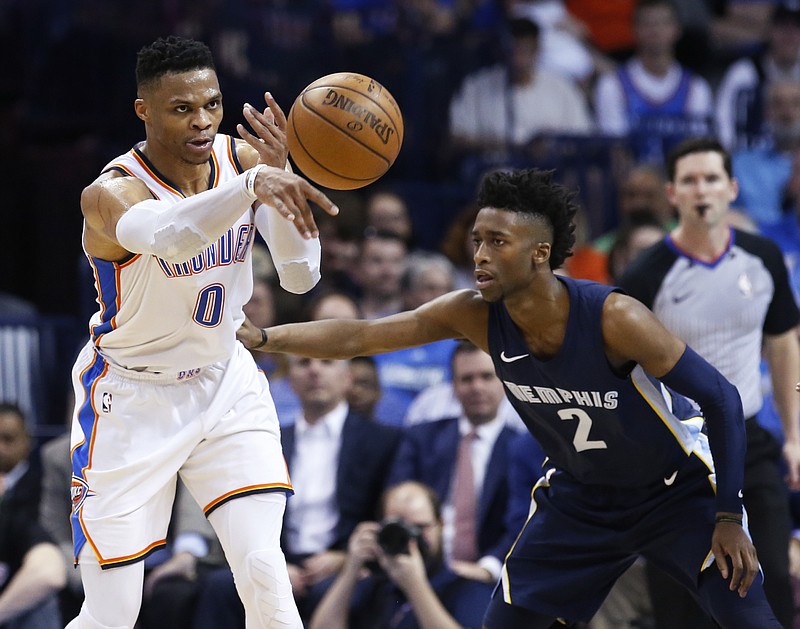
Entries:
{"x":171,"y":55}
{"x":533,"y":192}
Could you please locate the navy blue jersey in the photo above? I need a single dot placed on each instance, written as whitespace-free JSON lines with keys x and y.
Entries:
{"x":600,"y":427}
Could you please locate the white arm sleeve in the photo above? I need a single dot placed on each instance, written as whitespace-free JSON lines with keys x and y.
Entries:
{"x":296,"y":259}
{"x":178,"y":231}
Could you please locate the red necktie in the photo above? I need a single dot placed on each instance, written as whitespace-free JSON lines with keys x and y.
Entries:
{"x":465,"y":546}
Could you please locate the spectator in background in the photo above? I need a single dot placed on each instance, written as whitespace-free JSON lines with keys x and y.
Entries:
{"x":651,"y":97}
{"x":341,"y":235}
{"x":741,"y":28}
{"x":741,"y":95}
{"x":33,"y":569}
{"x":465,"y":460}
{"x":338,"y":462}
{"x":406,"y":372}
{"x":55,"y":506}
{"x":387,"y":211}
{"x":261,"y":307}
{"x":642,"y":190}
{"x":503,"y":107}
{"x":639,"y":230}
{"x":378,"y":273}
{"x":325,"y":305}
{"x":565,"y":49}
{"x":456,"y":245}
{"x":412,"y":587}
{"x":367,"y":397}
{"x":764,"y":172}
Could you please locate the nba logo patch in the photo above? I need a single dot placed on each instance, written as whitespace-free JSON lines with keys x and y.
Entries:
{"x":106,"y":402}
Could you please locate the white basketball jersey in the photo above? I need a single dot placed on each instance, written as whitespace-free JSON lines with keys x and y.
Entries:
{"x":160,"y":317}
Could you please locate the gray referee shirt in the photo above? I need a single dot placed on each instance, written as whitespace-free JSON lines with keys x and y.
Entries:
{"x":720,"y":308}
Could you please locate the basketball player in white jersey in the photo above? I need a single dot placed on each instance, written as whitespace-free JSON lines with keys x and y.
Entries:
{"x":163,"y":387}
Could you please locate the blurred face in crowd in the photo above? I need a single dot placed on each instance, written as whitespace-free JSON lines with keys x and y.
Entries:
{"x":784,"y":42}
{"x":411,"y":503}
{"x":335,"y":306}
{"x":388,"y":212}
{"x":15,"y":443}
{"x":643,"y":189}
{"x":365,"y":390}
{"x":432,"y":282}
{"x":381,"y":266}
{"x":702,"y":190}
{"x":476,"y":386}
{"x":523,"y":56}
{"x":656,"y":29}
{"x":320,"y":384}
{"x":783,"y":114}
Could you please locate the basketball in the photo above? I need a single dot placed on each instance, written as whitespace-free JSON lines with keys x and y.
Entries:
{"x":344,"y":131}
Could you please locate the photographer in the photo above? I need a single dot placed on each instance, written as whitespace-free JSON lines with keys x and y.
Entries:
{"x":394,"y":575}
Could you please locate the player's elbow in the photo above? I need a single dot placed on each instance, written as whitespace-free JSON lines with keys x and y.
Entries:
{"x":298,"y":276}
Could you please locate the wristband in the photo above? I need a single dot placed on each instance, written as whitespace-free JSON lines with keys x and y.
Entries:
{"x":264,"y":339}
{"x":720,"y":518}
{"x":250,"y":180}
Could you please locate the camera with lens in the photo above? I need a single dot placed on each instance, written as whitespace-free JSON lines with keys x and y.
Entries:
{"x":395,"y":534}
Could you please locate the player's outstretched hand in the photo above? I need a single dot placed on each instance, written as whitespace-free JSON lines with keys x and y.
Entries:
{"x":268,"y":136}
{"x":290,"y":194}
{"x":730,"y":541}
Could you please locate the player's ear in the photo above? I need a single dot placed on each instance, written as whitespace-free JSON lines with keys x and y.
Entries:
{"x":541,"y":253}
{"x":140,"y":108}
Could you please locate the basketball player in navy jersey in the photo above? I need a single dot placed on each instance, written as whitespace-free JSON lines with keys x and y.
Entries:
{"x":163,"y":388}
{"x":583,"y":365}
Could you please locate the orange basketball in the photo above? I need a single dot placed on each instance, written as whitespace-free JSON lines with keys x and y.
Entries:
{"x":344,"y":131}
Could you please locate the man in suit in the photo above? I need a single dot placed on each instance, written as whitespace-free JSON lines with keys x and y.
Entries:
{"x":32,"y":570}
{"x":338,"y":461}
{"x":429,"y":453}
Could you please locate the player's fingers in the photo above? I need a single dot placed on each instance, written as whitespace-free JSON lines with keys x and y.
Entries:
{"x":319,"y":198}
{"x":277,"y":112}
{"x":738,"y":571}
{"x":720,"y":559}
{"x":263,"y":125}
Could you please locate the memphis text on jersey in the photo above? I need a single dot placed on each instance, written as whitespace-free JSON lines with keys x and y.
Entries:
{"x":547,"y":395}
{"x":227,"y":250}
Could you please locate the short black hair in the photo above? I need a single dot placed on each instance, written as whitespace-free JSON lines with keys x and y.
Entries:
{"x":171,"y":55}
{"x":462,"y":347}
{"x":697,"y":145}
{"x":533,"y":192}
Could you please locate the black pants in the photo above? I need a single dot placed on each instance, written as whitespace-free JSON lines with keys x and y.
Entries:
{"x":766,"y":499}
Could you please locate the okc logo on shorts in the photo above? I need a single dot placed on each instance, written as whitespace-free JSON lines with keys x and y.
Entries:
{"x":106,"y":402}
{"x":79,"y":492}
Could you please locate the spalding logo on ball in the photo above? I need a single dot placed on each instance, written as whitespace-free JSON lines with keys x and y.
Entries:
{"x":344,"y":131}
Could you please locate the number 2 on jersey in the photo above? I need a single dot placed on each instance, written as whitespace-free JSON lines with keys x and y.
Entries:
{"x":581,"y":439}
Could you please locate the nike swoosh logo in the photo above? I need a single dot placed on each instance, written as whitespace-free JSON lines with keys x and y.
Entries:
{"x":511,"y":359}
{"x":679,"y":298}
{"x":668,"y":480}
